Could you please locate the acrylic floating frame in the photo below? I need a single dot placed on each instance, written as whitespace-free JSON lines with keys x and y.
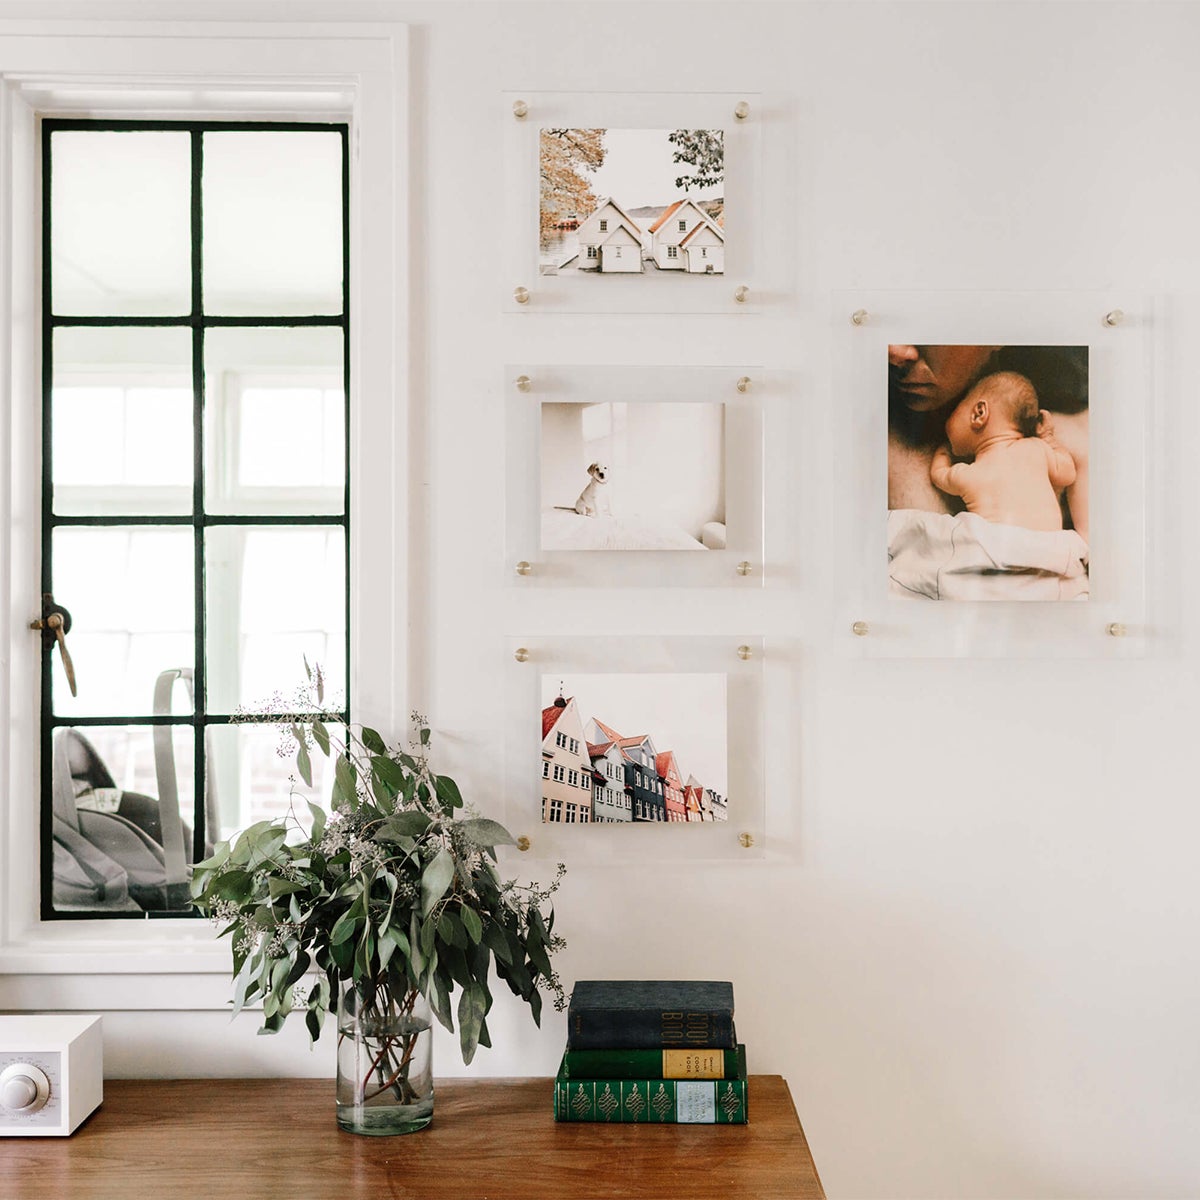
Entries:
{"x":876,"y":618}
{"x":676,"y":499}
{"x":687,"y":695}
{"x":720,"y":268}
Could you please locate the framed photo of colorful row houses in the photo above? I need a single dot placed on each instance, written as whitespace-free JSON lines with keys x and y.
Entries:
{"x":1001,"y":504}
{"x":631,"y":476}
{"x":636,"y":747}
{"x":635,"y":203}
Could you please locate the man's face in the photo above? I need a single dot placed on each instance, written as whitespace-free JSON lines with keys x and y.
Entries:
{"x":930,"y":377}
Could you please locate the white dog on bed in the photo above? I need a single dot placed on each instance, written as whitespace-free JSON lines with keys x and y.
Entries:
{"x":593,"y":500}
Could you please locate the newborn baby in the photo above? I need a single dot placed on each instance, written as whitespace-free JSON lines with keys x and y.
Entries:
{"x":1017,"y":470}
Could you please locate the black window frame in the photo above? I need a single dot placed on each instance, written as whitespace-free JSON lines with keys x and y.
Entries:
{"x":198,"y":519}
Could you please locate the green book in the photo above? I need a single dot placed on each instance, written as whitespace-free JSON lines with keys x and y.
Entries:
{"x":709,"y":1063}
{"x":657,"y":1101}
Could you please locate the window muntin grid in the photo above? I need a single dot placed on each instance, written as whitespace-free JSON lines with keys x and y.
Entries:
{"x":130,"y":511}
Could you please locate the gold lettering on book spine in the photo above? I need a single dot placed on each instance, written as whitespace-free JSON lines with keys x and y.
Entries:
{"x":635,"y":1102}
{"x":693,"y":1064}
{"x":661,"y":1102}
{"x":686,"y":1029}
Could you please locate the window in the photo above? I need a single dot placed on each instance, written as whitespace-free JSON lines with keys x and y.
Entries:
{"x":545,"y":769}
{"x":598,"y":793}
{"x":195,"y":484}
{"x":556,"y":810}
{"x":672,"y":251}
{"x":572,"y":778}
{"x":560,"y":740}
{"x":558,"y":773}
{"x":584,"y":816}
{"x":574,"y":745}
{"x":571,"y":811}
{"x":683,"y":227}
{"x":603,"y":226}
{"x":703,"y":251}
{"x":591,"y":252}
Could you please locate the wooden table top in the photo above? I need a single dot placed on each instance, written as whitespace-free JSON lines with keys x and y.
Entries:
{"x":491,"y":1139}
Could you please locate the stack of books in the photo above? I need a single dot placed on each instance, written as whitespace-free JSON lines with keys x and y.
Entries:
{"x":663,"y":1051}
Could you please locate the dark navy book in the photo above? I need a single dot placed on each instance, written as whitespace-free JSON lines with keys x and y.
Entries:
{"x":634,"y":1014}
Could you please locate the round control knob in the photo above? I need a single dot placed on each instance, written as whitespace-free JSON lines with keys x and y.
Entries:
{"x":23,"y":1088}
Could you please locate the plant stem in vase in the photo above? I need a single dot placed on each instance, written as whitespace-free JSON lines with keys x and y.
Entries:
{"x":385,"y":1079}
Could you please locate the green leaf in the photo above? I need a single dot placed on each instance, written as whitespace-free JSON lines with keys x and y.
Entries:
{"x":405,"y":824}
{"x":233,"y":885}
{"x":448,"y":792}
{"x":318,"y":818}
{"x":449,"y":930}
{"x":272,"y":1024}
{"x":471,"y":923}
{"x":283,"y":887}
{"x":493,"y":935}
{"x":344,"y":929}
{"x":484,"y":832}
{"x":472,"y":1005}
{"x":439,"y":1001}
{"x":321,"y":737}
{"x":344,"y":780}
{"x":388,"y":771}
{"x":373,"y":741}
{"x":303,"y":762}
{"x":299,"y":968}
{"x":389,"y":943}
{"x":436,"y":878}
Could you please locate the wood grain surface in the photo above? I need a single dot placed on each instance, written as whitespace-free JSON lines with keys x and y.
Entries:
{"x":491,"y":1139}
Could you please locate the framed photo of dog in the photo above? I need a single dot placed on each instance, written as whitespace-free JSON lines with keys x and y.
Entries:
{"x":638,"y":203}
{"x":1002,"y":505}
{"x":635,"y":476}
{"x":636,"y":748}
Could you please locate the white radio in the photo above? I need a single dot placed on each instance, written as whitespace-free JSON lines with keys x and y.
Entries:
{"x":51,"y":1073}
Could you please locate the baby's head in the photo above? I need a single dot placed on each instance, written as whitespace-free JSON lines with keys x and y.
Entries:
{"x":997,"y":404}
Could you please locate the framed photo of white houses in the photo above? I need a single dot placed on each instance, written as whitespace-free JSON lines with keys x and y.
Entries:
{"x":998,"y":504}
{"x":636,"y":747}
{"x":627,"y":476}
{"x":634,"y":203}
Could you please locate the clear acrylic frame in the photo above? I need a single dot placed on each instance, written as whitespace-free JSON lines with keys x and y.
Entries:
{"x":749,"y":276}
{"x":1114,"y":622}
{"x":740,"y":391}
{"x":739,"y":659}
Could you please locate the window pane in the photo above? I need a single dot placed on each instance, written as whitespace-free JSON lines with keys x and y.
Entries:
{"x":254,"y":771}
{"x":121,"y":223}
{"x":272,"y":223}
{"x":274,"y":596}
{"x":107,"y":782}
{"x":122,"y":421}
{"x":131,"y":596}
{"x":275,"y":421}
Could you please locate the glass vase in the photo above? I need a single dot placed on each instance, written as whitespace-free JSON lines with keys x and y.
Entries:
{"x":384,"y":1061}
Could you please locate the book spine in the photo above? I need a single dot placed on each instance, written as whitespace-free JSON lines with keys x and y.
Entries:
{"x":651,"y":1101}
{"x":708,"y":1063}
{"x":649,"y":1029}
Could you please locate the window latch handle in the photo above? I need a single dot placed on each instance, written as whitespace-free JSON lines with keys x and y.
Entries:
{"x":55,"y":623}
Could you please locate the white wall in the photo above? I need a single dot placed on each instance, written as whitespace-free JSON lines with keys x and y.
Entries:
{"x":974,"y":952}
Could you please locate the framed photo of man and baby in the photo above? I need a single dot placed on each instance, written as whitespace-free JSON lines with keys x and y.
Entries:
{"x":1000,"y":497}
{"x":987,"y":472}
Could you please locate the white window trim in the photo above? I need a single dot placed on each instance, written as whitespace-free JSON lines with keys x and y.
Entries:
{"x":347,"y":72}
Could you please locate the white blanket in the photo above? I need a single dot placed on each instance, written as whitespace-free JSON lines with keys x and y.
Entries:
{"x":937,"y":556}
{"x":566,"y":530}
